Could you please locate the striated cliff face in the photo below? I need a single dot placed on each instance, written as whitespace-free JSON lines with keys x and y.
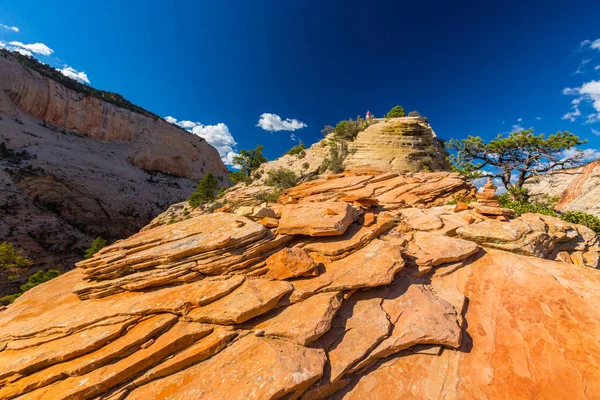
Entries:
{"x":398,"y":145}
{"x":156,"y":144}
{"x":578,"y":188}
{"x":355,"y":286}
{"x":73,"y":167}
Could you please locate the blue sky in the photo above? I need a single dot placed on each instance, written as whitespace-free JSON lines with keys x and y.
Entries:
{"x":472,"y":67}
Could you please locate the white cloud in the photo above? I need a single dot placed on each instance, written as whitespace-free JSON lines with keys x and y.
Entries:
{"x":517,"y":128}
{"x":591,"y":44}
{"x":519,"y":119}
{"x":538,"y":118}
{"x":595,"y":132}
{"x":572,"y":115}
{"x":217,"y":135}
{"x":586,"y":155}
{"x":274,"y":123}
{"x":589,"y":93}
{"x":39,"y":48}
{"x":72,"y":73}
{"x":12,"y":28}
{"x":24,"y":52}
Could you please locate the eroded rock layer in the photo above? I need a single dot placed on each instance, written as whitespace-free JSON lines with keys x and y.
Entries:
{"x":73,"y":167}
{"x":398,"y":145}
{"x":404,"y":297}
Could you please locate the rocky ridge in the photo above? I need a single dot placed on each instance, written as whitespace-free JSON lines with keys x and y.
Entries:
{"x":356,"y":286}
{"x":88,"y":169}
{"x":577,"y":189}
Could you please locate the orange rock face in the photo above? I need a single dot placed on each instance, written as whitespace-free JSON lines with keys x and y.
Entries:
{"x":419,"y":304}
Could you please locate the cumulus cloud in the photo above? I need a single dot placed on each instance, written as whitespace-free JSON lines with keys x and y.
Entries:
{"x":586,"y":155}
{"x":38,"y":48}
{"x":588,"y":93}
{"x":217,"y":135}
{"x":12,"y":28}
{"x":72,"y":73}
{"x":274,"y":123}
{"x":592,"y":44}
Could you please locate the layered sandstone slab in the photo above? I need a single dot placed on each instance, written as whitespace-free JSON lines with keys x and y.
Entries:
{"x":399,"y":145}
{"x":406,"y":303}
{"x":577,"y":189}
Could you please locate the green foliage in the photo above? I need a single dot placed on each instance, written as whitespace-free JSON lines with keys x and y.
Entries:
{"x":456,"y":199}
{"x":269,"y":197}
{"x":205,"y":192}
{"x":11,"y":258}
{"x":96,"y":246}
{"x":413,"y":113}
{"x":34,"y":279}
{"x":348,"y":130}
{"x":14,"y":157}
{"x":55,"y":75}
{"x":39,"y":278}
{"x":297,"y":150}
{"x":327,"y":130}
{"x":395,"y":112}
{"x":239,"y":176}
{"x":305,"y":165}
{"x":250,"y":160}
{"x":582,"y":218}
{"x":282,"y":178}
{"x":522,"y":153}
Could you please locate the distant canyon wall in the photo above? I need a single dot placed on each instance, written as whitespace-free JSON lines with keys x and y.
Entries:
{"x":158,"y":145}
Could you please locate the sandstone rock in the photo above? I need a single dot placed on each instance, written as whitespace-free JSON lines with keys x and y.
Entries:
{"x":577,"y":188}
{"x":254,"y":297}
{"x":269,"y":222}
{"x":273,"y":375}
{"x":505,"y":342}
{"x":383,"y":260}
{"x":461,"y":206}
{"x":216,"y":322}
{"x":417,"y":317}
{"x":304,"y":322}
{"x":397,"y":144}
{"x":290,"y":263}
{"x":315,"y":219}
{"x":487,"y":210}
{"x":442,"y":249}
{"x":369,"y":219}
{"x":95,"y":169}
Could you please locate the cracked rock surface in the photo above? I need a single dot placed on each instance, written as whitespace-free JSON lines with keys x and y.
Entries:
{"x":404,"y":297}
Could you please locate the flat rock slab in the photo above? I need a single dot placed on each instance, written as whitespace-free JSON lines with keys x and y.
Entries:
{"x":315,"y":219}
{"x":252,"y":368}
{"x":290,"y":263}
{"x":374,"y":265}
{"x":304,"y":322}
{"x":443,"y":249}
{"x":418,"y":317}
{"x":253,"y":298}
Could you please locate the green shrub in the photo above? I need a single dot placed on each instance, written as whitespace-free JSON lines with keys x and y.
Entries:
{"x":413,"y":113}
{"x":205,"y":192}
{"x":297,"y":150}
{"x":282,"y":178}
{"x":581,"y":218}
{"x":269,"y":197}
{"x":11,"y":258}
{"x":96,"y":246}
{"x":33,"y":280}
{"x":250,"y":160}
{"x":239,"y":176}
{"x":395,"y":112}
{"x":39,"y":278}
